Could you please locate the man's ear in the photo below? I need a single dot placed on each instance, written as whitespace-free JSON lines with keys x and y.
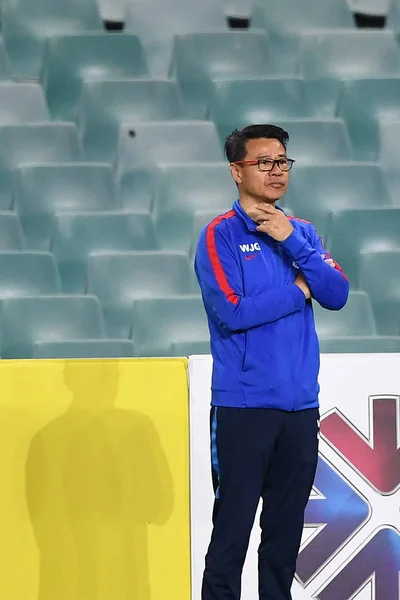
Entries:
{"x":236,"y":173}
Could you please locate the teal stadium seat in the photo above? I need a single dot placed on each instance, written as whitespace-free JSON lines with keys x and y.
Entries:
{"x":25,"y":321}
{"x":119,"y":278}
{"x":35,"y":143}
{"x":200,"y":58}
{"x":201,"y":219}
{"x":72,"y":60}
{"x":159,"y":323}
{"x":158,"y":21}
{"x":389,"y":157}
{"x":353,"y":329}
{"x":371,"y":344}
{"x":85,"y":349}
{"x":364,"y":102}
{"x":290,"y":16}
{"x":393,"y":16}
{"x":189,"y":348}
{"x":349,"y":54}
{"x":182,"y":190}
{"x":285,"y":20}
{"x":355,"y":319}
{"x":380,"y":277}
{"x":5,"y":65}
{"x":11,"y":234}
{"x":355,"y":231}
{"x":41,"y":191}
{"x":316,"y":191}
{"x":239,"y":103}
{"x":108,"y":105}
{"x":26,"y":25}
{"x":136,"y":187}
{"x":22,"y":103}
{"x":317,"y":141}
{"x":79,"y":235}
{"x":172,"y":142}
{"x":28,"y":274}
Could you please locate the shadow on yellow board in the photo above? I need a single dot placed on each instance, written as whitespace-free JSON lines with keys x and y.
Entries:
{"x":94,"y":473}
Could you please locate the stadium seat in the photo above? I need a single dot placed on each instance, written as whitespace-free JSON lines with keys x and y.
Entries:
{"x":107,"y":105}
{"x":380,"y":277}
{"x":290,"y":16}
{"x":22,"y":103}
{"x":355,"y":231}
{"x":25,"y":321}
{"x":317,"y":190}
{"x":5,"y":66}
{"x":78,"y":235}
{"x":182,"y":190}
{"x":201,"y":218}
{"x":41,"y":191}
{"x":372,"y":344}
{"x":72,"y":60}
{"x":85,"y":349}
{"x":158,"y":323}
{"x":349,"y":55}
{"x":323,"y":97}
{"x":355,"y":319}
{"x":364,"y":102}
{"x":200,"y":58}
{"x":26,"y":25}
{"x":317,"y":141}
{"x":189,"y":348}
{"x":136,"y":187}
{"x":28,"y":274}
{"x":119,"y":278}
{"x":157,"y":22}
{"x":236,"y":104}
{"x":389,"y":8}
{"x":113,"y":11}
{"x":34,"y":144}
{"x":172,"y":142}
{"x":11,"y":234}
{"x":389,"y":157}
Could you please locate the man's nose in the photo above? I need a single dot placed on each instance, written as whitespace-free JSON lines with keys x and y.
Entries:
{"x":275,"y":170}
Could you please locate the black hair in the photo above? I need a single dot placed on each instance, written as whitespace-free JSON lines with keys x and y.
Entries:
{"x":236,"y":142}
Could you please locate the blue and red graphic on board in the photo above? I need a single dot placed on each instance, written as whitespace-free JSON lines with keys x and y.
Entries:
{"x":341,"y":511}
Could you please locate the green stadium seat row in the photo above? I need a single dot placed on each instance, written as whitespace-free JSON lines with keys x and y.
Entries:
{"x":173,"y":194}
{"x":63,"y":326}
{"x":349,"y":233}
{"x":291,"y":16}
{"x":26,"y":25}
{"x":107,"y":105}
{"x":158,"y":23}
{"x":50,"y":326}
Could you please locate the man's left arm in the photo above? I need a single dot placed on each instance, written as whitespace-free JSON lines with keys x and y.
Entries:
{"x":328,"y":284}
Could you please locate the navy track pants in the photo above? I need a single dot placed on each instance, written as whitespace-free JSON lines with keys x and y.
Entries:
{"x":259,"y":453}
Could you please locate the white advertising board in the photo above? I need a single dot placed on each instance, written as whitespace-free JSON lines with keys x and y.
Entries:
{"x":351,"y":543}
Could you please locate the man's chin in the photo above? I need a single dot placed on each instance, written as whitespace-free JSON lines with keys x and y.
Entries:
{"x":272,"y":198}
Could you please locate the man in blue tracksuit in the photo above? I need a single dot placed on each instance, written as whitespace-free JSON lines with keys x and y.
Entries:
{"x":258,"y":271}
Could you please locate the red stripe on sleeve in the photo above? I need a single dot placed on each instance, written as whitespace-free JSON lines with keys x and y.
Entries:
{"x":215,"y":261}
{"x":291,"y":218}
{"x":339,"y":268}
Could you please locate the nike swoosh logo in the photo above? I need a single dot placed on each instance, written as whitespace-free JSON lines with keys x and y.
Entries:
{"x":250,"y":256}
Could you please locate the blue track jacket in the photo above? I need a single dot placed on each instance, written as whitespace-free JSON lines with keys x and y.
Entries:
{"x":263,"y":340}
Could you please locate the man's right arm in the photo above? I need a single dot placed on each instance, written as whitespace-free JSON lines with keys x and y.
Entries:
{"x":220,"y":280}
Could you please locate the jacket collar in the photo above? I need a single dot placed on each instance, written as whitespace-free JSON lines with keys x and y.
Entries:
{"x":250,"y":224}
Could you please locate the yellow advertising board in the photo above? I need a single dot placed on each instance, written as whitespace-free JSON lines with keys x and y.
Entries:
{"x":94,"y":480}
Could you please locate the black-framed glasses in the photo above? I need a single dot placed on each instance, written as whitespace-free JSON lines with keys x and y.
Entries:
{"x":267,"y":164}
